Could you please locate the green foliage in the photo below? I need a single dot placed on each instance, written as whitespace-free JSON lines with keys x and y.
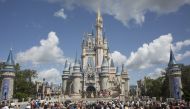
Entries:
{"x":23,"y":85}
{"x":165,"y":92}
{"x":186,"y":82}
{"x":20,"y":96}
{"x":153,"y":87}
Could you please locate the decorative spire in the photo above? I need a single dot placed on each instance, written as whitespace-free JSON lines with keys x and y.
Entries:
{"x":76,"y":60}
{"x":112,"y":63}
{"x":66,"y":66}
{"x":172,"y":60}
{"x":9,"y":65}
{"x":117,"y":71}
{"x":10,"y":60}
{"x":92,"y":30}
{"x":99,"y":12}
{"x":122,"y":68}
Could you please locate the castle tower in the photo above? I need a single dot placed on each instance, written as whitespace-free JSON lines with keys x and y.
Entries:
{"x":104,"y":75}
{"x":8,"y":78}
{"x":118,"y":76}
{"x":105,"y":42}
{"x":76,"y":76}
{"x":99,"y":40}
{"x":125,"y":82}
{"x":65,"y":77}
{"x":88,"y":53}
{"x":174,"y":74}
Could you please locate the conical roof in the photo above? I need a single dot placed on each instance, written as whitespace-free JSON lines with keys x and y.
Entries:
{"x":66,"y":68}
{"x":9,"y":64}
{"x":117,"y":71}
{"x":10,"y":60}
{"x":172,"y":60}
{"x":112,"y":63}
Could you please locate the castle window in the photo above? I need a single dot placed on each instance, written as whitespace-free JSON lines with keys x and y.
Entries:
{"x":90,"y":76}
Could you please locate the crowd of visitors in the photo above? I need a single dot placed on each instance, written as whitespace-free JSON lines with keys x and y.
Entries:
{"x":110,"y":104}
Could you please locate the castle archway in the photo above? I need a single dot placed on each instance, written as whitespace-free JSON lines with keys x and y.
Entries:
{"x":90,"y":92}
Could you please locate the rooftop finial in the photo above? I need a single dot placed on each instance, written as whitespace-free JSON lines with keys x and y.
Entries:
{"x":122,"y":69}
{"x":172,"y":60}
{"x":112,"y":63}
{"x":76,"y":57}
{"x":99,"y":3}
{"x":92,"y":30}
{"x":99,"y":10}
{"x":10,"y":60}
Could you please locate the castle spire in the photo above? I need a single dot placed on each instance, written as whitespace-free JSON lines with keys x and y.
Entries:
{"x":76,"y":60}
{"x":99,"y":38}
{"x":112,"y":63}
{"x":10,"y":60}
{"x":99,"y":11}
{"x":172,"y":60}
{"x":99,"y":25}
{"x":66,"y":68}
{"x":117,"y":71}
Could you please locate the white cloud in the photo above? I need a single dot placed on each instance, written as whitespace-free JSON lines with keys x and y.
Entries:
{"x":181,"y":44}
{"x":126,"y":10}
{"x":183,"y":56}
{"x":60,"y":13}
{"x":157,"y":73}
{"x":118,"y":58}
{"x":50,"y":75}
{"x":154,"y":53}
{"x":47,"y":52}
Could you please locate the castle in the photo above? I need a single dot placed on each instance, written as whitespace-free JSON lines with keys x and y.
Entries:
{"x":96,"y":75}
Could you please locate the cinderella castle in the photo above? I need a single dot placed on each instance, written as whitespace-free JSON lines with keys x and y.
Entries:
{"x":95,"y":75}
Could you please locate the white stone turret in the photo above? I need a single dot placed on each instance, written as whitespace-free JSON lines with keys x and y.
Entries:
{"x":8,"y":78}
{"x":104,"y":74}
{"x":125,"y":82}
{"x":76,"y":75}
{"x":65,"y":77}
{"x":105,"y":46}
{"x":99,"y":40}
{"x":174,"y":74}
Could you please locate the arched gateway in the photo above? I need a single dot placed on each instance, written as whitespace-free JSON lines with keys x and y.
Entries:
{"x":90,"y":92}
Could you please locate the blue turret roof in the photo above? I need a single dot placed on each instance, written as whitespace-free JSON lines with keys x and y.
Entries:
{"x":122,"y":68}
{"x":112,"y":63}
{"x":66,"y":68}
{"x":172,"y":60}
{"x":117,"y":71}
{"x":92,"y":32}
{"x":76,"y":61}
{"x":10,"y":60}
{"x":9,"y":64}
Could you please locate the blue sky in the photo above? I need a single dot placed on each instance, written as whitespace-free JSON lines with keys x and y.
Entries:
{"x":145,"y":28}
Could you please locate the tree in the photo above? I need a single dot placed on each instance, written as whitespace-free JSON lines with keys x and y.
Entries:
{"x":154,"y":86}
{"x":23,"y":85}
{"x":186,"y":82}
